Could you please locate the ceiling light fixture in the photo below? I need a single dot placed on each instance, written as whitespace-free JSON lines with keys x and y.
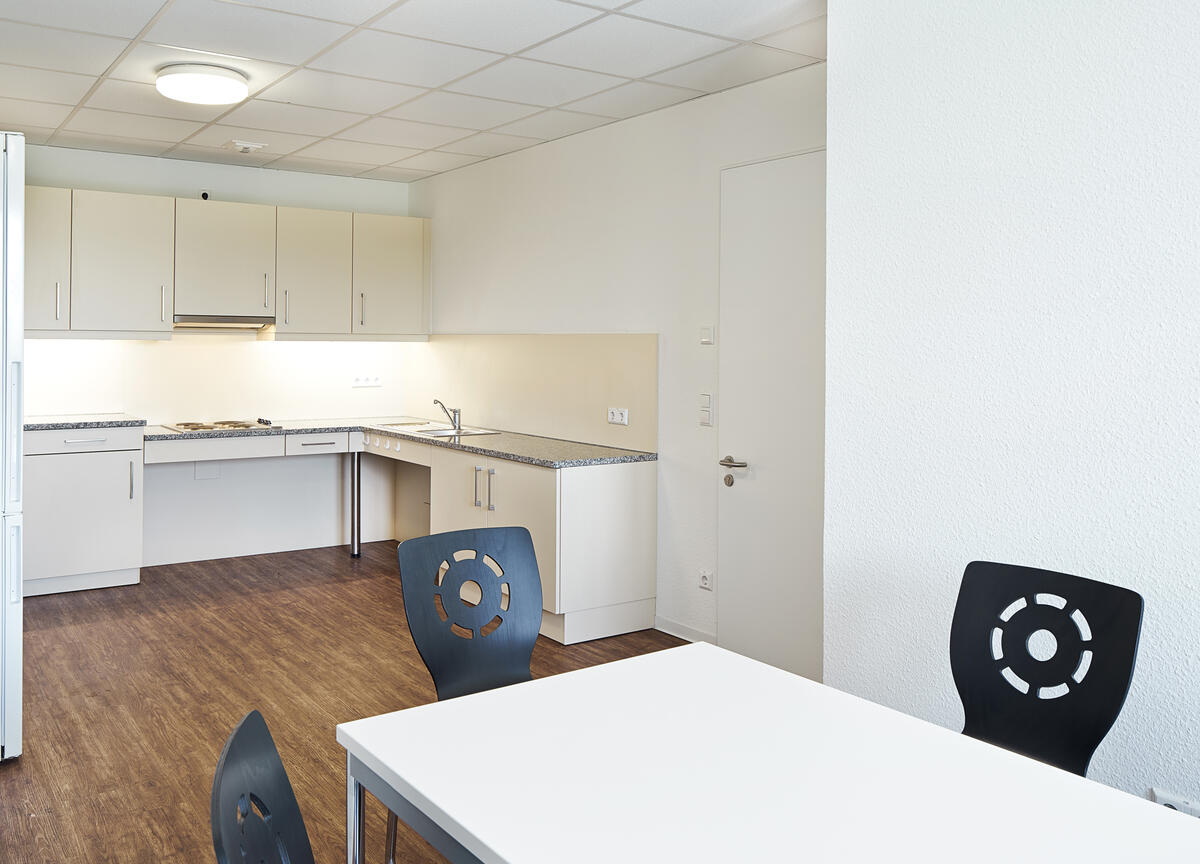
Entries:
{"x":202,"y":84}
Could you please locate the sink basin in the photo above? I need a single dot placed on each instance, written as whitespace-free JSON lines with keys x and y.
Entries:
{"x":439,"y":430}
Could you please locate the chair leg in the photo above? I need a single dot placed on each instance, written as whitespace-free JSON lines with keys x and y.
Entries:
{"x":391,"y":837}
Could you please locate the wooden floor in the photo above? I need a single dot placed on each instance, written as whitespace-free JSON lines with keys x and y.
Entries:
{"x":131,"y":692}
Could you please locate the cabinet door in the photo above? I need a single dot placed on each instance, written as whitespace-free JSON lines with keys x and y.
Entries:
{"x":47,"y":258}
{"x":122,"y":261}
{"x":457,"y":484}
{"x":83,"y":513}
{"x":314,"y":260}
{"x":390,"y":295}
{"x":527,"y":495}
{"x":224,"y":258}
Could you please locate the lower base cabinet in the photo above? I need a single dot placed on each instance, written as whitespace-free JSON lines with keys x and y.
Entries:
{"x":83,"y":520}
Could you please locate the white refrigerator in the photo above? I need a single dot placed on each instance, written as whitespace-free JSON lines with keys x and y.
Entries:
{"x":12,"y":350}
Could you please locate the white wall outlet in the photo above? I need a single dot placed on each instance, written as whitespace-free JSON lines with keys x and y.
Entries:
{"x":1175,"y":801}
{"x":361,"y":381}
{"x":618,"y":416}
{"x":706,"y":580}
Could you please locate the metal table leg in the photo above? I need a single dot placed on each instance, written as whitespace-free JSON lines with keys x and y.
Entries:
{"x":355,"y":505}
{"x":356,"y":832}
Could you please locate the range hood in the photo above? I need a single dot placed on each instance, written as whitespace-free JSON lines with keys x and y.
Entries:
{"x":223,"y":322}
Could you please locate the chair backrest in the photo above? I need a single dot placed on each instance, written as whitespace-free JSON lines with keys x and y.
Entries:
{"x":474,"y":604}
{"x":255,"y":816}
{"x":1042,"y":660}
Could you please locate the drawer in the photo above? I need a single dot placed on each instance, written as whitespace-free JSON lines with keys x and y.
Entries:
{"x":88,"y":440}
{"x":397,"y":448}
{"x":207,"y":449}
{"x":310,"y":443}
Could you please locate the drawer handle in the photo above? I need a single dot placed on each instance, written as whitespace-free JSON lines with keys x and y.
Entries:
{"x":317,"y":443}
{"x":478,"y":500}
{"x":491,"y":474}
{"x":57,"y":300}
{"x":362,"y":312}
{"x":130,"y":479}
{"x":265,"y":290}
{"x":162,"y":302}
{"x":84,"y":440}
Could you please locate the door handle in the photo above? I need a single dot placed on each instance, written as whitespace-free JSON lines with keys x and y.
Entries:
{"x":362,"y":312}
{"x":478,"y":501}
{"x":265,"y":290}
{"x":287,"y":307}
{"x":130,"y":479}
{"x":57,"y":300}
{"x":491,"y":474}
{"x":730,"y":462}
{"x":162,"y":302}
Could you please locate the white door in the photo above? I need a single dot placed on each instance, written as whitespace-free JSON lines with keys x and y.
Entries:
{"x":771,"y":411}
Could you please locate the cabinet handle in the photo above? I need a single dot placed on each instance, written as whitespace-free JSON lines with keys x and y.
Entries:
{"x":478,"y":502}
{"x":491,"y":474}
{"x":265,"y":291}
{"x":162,"y":302}
{"x":84,"y":440}
{"x":130,"y":479}
{"x":362,"y":314}
{"x":317,"y":443}
{"x":57,"y":300}
{"x":287,"y":307}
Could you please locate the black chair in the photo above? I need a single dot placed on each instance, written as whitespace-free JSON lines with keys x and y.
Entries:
{"x":473,"y":600}
{"x":1042,"y":660}
{"x":255,"y":816}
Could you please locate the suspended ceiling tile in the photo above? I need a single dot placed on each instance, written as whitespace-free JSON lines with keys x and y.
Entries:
{"x":126,"y":18}
{"x":403,"y":59}
{"x":505,"y":26}
{"x":109,"y":143}
{"x":319,"y":166}
{"x":491,"y":144}
{"x":554,"y":124}
{"x":807,"y":38}
{"x":345,"y":11}
{"x":220,"y":155}
{"x":637,"y":97}
{"x":330,"y":90}
{"x":396,"y":173}
{"x":17,"y":114}
{"x":230,"y":28}
{"x":26,"y":45}
{"x":404,"y":133}
{"x":283,"y":117}
{"x":455,"y":109}
{"x":120,"y":125}
{"x":35,"y":135}
{"x":339,"y":150}
{"x":627,"y":46}
{"x":20,"y":82}
{"x":741,"y":19}
{"x":138,"y":98}
{"x":277,"y":143}
{"x":740,"y":65}
{"x":436,"y":160}
{"x":535,"y":83}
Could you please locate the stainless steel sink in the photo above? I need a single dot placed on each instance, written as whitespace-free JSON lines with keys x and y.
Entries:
{"x":439,"y":430}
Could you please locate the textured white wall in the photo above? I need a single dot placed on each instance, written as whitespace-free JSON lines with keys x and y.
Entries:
{"x":1012,"y":338}
{"x":616,"y":230}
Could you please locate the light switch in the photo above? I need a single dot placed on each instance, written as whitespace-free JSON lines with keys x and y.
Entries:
{"x":706,"y":335}
{"x":705,"y":417}
{"x":706,"y":400}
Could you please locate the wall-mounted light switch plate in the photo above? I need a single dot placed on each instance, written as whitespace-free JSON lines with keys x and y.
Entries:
{"x":706,"y":409}
{"x":706,"y":335}
{"x":618,"y":416}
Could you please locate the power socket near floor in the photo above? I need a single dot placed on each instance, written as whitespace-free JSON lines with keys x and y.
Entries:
{"x":1175,"y":801}
{"x":706,"y":580}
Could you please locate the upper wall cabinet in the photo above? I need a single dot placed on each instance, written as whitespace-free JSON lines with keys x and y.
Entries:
{"x":47,"y":258}
{"x":314,"y":260}
{"x":224,"y":259}
{"x":391,"y":274}
{"x":122,"y":262}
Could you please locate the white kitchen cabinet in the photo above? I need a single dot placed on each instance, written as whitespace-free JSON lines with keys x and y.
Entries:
{"x":391,"y":275}
{"x":47,"y":258}
{"x":83,"y":520}
{"x":122,"y":262}
{"x":224,"y":258}
{"x":314,"y":261}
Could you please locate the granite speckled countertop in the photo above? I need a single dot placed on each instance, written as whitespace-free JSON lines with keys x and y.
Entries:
{"x":530,"y":449}
{"x":46,"y":422}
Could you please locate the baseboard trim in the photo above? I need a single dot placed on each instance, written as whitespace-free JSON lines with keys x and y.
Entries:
{"x":683,"y":631}
{"x":81,"y":582}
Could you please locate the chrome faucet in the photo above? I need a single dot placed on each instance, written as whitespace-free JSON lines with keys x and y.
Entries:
{"x":455,"y":414}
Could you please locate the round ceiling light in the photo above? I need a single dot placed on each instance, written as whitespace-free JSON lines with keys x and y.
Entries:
{"x":202,"y":84}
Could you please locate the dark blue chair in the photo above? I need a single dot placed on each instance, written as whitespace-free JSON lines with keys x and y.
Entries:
{"x":255,"y":816}
{"x":1042,"y":660}
{"x":473,"y":600}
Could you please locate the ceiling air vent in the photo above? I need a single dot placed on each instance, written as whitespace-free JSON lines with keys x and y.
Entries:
{"x":244,"y":146}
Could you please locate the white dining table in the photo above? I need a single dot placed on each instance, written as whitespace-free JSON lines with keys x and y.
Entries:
{"x":698,"y":754}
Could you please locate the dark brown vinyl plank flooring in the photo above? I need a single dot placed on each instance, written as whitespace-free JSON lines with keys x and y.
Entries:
{"x":130,"y":694}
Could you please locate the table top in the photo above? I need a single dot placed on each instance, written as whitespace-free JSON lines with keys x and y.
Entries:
{"x":698,"y":754}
